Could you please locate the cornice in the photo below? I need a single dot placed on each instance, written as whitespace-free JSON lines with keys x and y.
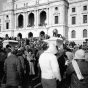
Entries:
{"x":8,"y":10}
{"x":38,"y":5}
{"x":73,"y":14}
{"x":85,"y":12}
{"x":77,"y":1}
{"x":82,"y":25}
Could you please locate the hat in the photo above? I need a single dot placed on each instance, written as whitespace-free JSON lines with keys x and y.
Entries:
{"x":79,"y":54}
{"x":20,"y":52}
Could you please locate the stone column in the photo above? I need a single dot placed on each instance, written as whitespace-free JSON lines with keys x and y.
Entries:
{"x":62,"y":16}
{"x":27,"y":18}
{"x":12,"y":24}
{"x":3,"y":23}
{"x":47,"y":16}
{"x":37,"y":18}
{"x":24,"y":20}
{"x":34,"y":12}
{"x":15,"y":21}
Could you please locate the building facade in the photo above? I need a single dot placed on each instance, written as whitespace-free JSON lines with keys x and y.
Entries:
{"x":69,"y":17}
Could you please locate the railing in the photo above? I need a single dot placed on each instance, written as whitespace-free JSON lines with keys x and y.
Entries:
{"x":42,"y":24}
{"x":30,"y":25}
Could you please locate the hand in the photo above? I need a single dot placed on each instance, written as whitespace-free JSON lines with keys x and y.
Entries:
{"x":67,"y":62}
{"x":19,"y":86}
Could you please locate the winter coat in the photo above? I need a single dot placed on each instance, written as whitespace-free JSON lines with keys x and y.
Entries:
{"x":49,"y":65}
{"x":22,"y":62}
{"x":2,"y":59}
{"x":61,"y":61}
{"x":2,"y":55}
{"x":75,"y":82}
{"x":12,"y":68}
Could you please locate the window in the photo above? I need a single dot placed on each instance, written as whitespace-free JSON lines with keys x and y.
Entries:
{"x":56,"y":19}
{"x":84,"y":18}
{"x":73,"y":9}
{"x":7,"y":16}
{"x":0,"y":28}
{"x":85,"y":7}
{"x":26,"y":4}
{"x":7,"y":25}
{"x":84,"y":33}
{"x":16,"y":6}
{"x":73,"y":34}
{"x":56,"y":8}
{"x":74,"y":20}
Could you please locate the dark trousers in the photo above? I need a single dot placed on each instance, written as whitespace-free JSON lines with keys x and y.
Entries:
{"x":49,"y":83}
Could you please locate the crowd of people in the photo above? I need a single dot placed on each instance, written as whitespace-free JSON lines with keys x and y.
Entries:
{"x":58,"y":67}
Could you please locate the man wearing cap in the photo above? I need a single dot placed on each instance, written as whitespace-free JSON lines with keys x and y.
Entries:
{"x":49,"y":66}
{"x":78,"y":70}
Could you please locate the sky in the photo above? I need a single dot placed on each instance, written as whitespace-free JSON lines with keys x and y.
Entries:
{"x":1,"y":1}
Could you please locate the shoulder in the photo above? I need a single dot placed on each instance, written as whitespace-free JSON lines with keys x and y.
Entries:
{"x":83,"y":64}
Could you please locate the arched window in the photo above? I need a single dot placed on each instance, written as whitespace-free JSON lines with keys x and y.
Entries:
{"x":7,"y":16}
{"x":42,"y":18}
{"x":56,"y":19}
{"x":20,"y":21}
{"x":73,"y":34}
{"x":84,"y":33}
{"x":42,"y":34}
{"x":7,"y":25}
{"x":19,"y":35}
{"x":31,"y":20}
{"x":6,"y":37}
{"x":30,"y":34}
{"x":55,"y":32}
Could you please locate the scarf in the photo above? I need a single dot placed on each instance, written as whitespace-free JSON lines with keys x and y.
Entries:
{"x":77,"y":70}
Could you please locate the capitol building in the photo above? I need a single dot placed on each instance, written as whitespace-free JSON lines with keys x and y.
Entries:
{"x":68,"y":17}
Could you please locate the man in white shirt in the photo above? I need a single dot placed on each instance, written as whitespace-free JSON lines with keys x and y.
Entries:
{"x":49,"y":66}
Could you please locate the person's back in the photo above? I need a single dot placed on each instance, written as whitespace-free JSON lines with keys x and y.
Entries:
{"x":76,"y":83}
{"x":49,"y":66}
{"x":12,"y":70}
{"x":22,"y":62}
{"x":45,"y":64}
{"x":83,"y":67}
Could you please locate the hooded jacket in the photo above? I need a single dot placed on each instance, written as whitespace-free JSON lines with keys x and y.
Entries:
{"x":48,"y":64}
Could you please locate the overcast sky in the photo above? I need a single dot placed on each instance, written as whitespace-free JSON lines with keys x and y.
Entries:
{"x":1,"y":1}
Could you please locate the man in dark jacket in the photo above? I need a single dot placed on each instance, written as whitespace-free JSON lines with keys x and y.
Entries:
{"x":83,"y":66}
{"x":12,"y":69}
{"x":21,"y":58}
